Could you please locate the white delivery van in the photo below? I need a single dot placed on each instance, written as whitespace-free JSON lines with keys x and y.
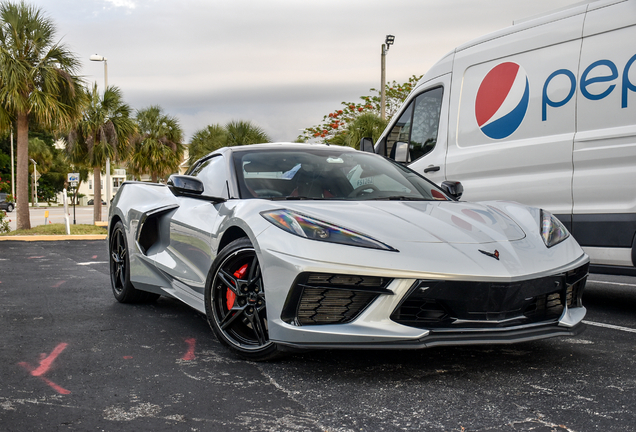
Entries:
{"x":544,"y":113}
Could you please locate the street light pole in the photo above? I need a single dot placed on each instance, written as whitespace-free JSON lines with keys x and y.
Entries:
{"x":96,"y":57}
{"x":385,"y":48}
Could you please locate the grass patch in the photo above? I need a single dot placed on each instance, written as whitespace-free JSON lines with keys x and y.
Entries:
{"x":58,"y":229}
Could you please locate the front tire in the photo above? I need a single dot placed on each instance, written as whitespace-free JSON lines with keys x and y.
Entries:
{"x":123,"y":289}
{"x":235,"y":302}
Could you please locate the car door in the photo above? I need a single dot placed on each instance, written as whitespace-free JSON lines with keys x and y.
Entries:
{"x":188,"y":257}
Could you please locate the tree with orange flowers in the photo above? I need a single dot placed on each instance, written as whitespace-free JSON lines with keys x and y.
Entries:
{"x":337,"y":122}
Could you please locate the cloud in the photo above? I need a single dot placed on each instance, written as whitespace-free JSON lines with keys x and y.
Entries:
{"x":128,"y":4}
{"x":281,"y":63}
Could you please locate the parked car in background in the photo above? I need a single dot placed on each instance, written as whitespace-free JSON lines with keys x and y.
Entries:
{"x":297,"y":246}
{"x":92,"y":202}
{"x":4,"y":204}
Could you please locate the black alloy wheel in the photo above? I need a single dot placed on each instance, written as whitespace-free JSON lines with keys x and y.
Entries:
{"x":235,"y":302}
{"x":123,"y":289}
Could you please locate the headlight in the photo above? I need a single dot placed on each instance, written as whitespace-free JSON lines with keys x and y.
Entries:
{"x":552,"y":230}
{"x":310,"y":228}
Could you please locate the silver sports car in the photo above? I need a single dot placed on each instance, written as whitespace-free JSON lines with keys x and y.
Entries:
{"x":298,"y":246}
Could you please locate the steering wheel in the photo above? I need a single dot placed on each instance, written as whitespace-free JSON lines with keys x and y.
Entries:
{"x":268,"y":193}
{"x":363,"y":190}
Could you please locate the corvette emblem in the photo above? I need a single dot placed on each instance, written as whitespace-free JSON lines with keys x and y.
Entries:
{"x":494,"y":255}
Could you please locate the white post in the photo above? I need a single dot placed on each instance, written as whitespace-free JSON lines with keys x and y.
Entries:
{"x":108,"y":187}
{"x":68,"y":223}
{"x":35,"y":184}
{"x":12,"y":170}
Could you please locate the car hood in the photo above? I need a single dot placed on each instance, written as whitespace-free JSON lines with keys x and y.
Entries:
{"x":417,"y":221}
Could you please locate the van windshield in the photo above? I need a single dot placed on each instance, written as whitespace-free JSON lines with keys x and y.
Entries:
{"x":328,"y":174}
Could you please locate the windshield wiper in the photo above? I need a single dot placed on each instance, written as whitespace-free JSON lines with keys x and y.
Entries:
{"x":399,"y":198}
{"x":294,"y":198}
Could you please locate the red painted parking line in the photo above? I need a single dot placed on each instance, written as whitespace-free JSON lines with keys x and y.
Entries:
{"x":57,"y":285}
{"x":94,"y":256}
{"x":189,"y":355}
{"x":45,"y":365}
{"x":33,"y":257}
{"x":55,"y":387}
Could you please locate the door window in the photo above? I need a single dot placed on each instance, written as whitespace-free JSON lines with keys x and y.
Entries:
{"x":418,"y":125}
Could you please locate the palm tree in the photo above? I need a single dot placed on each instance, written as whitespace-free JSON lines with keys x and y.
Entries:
{"x":205,"y":141}
{"x":157,"y":150}
{"x":103,"y":132}
{"x":234,"y":133}
{"x":37,"y":83}
{"x":244,"y":133}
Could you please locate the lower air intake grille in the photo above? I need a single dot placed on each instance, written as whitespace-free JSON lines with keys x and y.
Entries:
{"x":462,"y":304}
{"x":319,"y":298}
{"x":329,"y":306}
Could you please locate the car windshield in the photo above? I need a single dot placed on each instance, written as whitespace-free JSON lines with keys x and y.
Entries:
{"x":328,"y":174}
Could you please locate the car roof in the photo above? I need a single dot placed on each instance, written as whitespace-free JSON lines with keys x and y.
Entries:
{"x":287,"y":146}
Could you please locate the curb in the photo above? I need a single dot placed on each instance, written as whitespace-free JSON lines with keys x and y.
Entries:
{"x":53,"y":237}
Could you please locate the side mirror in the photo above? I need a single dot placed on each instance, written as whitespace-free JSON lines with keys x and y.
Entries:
{"x":453,"y":188}
{"x":189,"y":186}
{"x":366,"y":145}
{"x":402,"y":154}
{"x":185,"y":185}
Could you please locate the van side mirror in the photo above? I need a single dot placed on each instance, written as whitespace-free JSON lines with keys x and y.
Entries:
{"x":453,"y":188}
{"x":366,"y":145}
{"x":402,"y":154}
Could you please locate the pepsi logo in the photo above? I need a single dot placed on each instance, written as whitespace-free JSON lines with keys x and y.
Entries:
{"x":502,"y":100}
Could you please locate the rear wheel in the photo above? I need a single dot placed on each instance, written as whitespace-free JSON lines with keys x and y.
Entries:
{"x":235,"y":302}
{"x":123,"y":289}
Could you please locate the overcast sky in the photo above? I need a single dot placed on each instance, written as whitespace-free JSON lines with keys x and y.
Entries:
{"x":282,"y":64}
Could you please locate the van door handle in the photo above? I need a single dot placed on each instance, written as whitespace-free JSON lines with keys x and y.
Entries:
{"x":431,"y":168}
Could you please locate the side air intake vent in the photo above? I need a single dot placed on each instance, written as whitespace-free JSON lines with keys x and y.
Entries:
{"x":319,"y":298}
{"x":149,"y":229}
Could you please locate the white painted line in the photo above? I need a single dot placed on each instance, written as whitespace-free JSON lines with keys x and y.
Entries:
{"x":612,"y":283}
{"x":610,"y":326}
{"x":93,"y":262}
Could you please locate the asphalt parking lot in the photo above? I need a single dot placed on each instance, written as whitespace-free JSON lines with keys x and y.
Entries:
{"x":75,"y":359}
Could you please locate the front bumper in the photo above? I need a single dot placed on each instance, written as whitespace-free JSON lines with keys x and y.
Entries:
{"x":375,"y":325}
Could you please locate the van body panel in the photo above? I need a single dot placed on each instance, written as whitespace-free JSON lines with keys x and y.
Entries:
{"x":538,"y":154}
{"x":604,"y":154}
{"x":603,"y":16}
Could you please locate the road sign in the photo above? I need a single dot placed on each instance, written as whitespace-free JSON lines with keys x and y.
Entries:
{"x":73,"y":177}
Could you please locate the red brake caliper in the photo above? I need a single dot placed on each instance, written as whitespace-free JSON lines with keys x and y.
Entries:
{"x":230,"y":297}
